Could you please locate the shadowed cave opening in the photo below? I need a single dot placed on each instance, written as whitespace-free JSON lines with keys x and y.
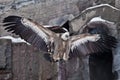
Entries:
{"x":100,"y":66}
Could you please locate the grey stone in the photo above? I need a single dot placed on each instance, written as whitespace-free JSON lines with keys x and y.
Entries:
{"x":60,"y":20}
{"x":41,"y":12}
{"x":5,"y":75}
{"x":21,"y":3}
{"x":117,"y":3}
{"x":105,"y":11}
{"x":111,"y":2}
{"x":5,"y":54}
{"x":29,"y":64}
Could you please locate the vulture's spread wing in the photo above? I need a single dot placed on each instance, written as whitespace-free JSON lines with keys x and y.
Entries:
{"x":35,"y":34}
{"x":84,"y":44}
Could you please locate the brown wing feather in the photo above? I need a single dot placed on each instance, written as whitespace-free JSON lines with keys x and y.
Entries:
{"x":104,"y":43}
{"x":30,"y":31}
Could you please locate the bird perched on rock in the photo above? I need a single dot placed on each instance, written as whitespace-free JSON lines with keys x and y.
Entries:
{"x":57,"y":45}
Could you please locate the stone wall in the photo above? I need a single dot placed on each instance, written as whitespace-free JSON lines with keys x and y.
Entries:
{"x":19,"y":61}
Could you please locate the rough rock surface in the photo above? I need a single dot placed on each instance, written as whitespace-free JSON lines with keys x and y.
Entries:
{"x":117,"y":3}
{"x":5,"y":54}
{"x":104,"y":11}
{"x":43,"y":11}
{"x":5,"y":59}
{"x":29,"y":64}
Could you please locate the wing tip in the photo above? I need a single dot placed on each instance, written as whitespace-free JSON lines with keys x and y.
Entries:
{"x":11,"y":18}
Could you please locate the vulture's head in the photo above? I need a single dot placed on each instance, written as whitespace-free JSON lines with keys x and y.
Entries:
{"x":65,"y":36}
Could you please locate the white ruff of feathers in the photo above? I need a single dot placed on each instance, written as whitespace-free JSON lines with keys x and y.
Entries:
{"x":65,"y":36}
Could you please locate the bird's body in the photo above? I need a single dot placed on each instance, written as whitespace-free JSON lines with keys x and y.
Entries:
{"x":57,"y":45}
{"x":58,"y":42}
{"x":62,"y":45}
{"x":61,"y":49}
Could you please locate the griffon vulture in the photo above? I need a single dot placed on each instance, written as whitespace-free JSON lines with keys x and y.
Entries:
{"x":57,"y":45}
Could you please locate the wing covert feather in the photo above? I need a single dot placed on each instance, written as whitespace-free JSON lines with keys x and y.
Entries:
{"x":86,"y":43}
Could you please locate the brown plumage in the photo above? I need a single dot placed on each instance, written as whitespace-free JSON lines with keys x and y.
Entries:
{"x":57,"y":45}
